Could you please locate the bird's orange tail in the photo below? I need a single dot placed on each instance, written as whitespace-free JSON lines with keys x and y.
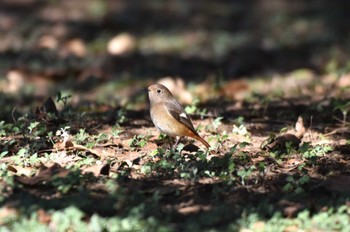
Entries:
{"x":200,"y":139}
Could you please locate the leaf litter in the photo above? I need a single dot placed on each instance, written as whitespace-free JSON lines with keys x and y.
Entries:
{"x":186,"y":183}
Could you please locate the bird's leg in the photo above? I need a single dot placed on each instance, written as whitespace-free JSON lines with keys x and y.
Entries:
{"x":177,"y":142}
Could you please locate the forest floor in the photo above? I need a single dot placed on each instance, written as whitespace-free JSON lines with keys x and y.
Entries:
{"x":78,"y":150}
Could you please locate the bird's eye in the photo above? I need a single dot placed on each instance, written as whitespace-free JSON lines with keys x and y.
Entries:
{"x":159,"y":90}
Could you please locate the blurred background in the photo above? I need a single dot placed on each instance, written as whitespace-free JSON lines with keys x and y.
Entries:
{"x":107,"y":51}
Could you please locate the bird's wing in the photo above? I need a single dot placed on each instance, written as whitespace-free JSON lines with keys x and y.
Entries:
{"x":177,"y":112}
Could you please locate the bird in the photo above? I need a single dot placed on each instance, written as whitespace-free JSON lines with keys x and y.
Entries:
{"x":168,"y":115}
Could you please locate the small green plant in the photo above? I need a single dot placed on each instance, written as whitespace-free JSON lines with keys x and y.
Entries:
{"x":310,"y":152}
{"x":190,"y":174}
{"x":217,"y":122}
{"x":21,"y":157}
{"x":245,"y":173}
{"x":6,"y":180}
{"x":32,"y":126}
{"x":227,"y":173}
{"x":73,"y":181}
{"x":116,"y":131}
{"x":81,"y":137}
{"x":295,"y":184}
{"x":330,"y":220}
{"x":243,"y":156}
{"x":193,"y":109}
{"x":102,"y":137}
{"x":239,"y":121}
{"x":121,"y":116}
{"x":2,"y":129}
{"x":138,"y":141}
{"x":161,"y":168}
{"x":85,"y":162}
{"x":344,"y":107}
{"x":240,"y":130}
{"x":62,"y":98}
{"x":69,"y":219}
{"x":222,"y":137}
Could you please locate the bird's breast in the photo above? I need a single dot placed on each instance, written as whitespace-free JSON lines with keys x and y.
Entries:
{"x":166,"y":123}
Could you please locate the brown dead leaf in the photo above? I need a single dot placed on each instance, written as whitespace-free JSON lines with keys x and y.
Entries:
{"x":105,"y":152}
{"x":130,"y":159}
{"x":150,"y":146}
{"x":16,"y":80}
{"x":26,"y":171}
{"x":121,"y":44}
{"x":98,"y":169}
{"x":176,"y":182}
{"x":43,"y":216}
{"x":293,"y":162}
{"x":280,"y":142}
{"x":193,"y":209}
{"x":69,"y":145}
{"x":76,"y":47}
{"x":208,"y":180}
{"x":130,"y":156}
{"x":300,"y":128}
{"x":258,"y":159}
{"x":235,"y":89}
{"x":63,"y":145}
{"x":83,"y":148}
{"x":48,"y":41}
{"x":290,"y":165}
{"x":344,"y":81}
{"x":293,"y":137}
{"x":62,"y":158}
{"x":44,"y":175}
{"x":205,"y":90}
{"x":124,"y":143}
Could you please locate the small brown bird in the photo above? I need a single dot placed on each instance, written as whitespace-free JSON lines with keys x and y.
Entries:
{"x":169,"y":116}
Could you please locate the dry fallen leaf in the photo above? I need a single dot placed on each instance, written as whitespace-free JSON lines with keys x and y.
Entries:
{"x":16,"y":80}
{"x":193,"y":209}
{"x":280,"y":142}
{"x":121,"y":44}
{"x":48,"y":41}
{"x":44,"y":175}
{"x":26,"y":171}
{"x":69,"y":145}
{"x":76,"y":47}
{"x":62,"y":158}
{"x":290,"y":165}
{"x":43,"y":216}
{"x":235,"y":89}
{"x":98,"y":169}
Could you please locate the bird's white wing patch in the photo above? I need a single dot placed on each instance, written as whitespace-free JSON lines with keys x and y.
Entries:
{"x":183,"y":115}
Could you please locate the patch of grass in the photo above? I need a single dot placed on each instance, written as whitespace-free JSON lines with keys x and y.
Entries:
{"x":330,"y":220}
{"x":73,"y":219}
